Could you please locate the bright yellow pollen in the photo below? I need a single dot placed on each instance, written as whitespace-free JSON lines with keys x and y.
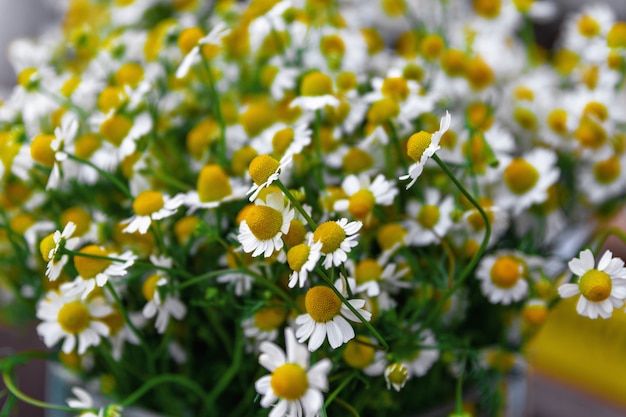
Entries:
{"x":257,"y":117}
{"x":356,"y":160}
{"x":88,"y":267}
{"x":41,"y":151}
{"x":520,"y":176}
{"x":535,"y":314}
{"x":449,"y":139}
{"x":595,"y":285}
{"x":428,"y":216}
{"x":590,"y":75}
{"x":487,"y":8}
{"x":431,"y":46}
{"x":505,"y":272}
{"x":478,"y":73}
{"x":148,"y":202}
{"x":296,"y":234}
{"x":270,"y":318}
{"x":565,"y":61}
{"x":396,"y":88}
{"x":74,"y":317}
{"x":523,"y":93}
{"x":331,"y":235}
{"x":189,"y":38}
{"x":282,"y":139}
{"x":289,"y":381}
{"x":201,"y":136}
{"x":316,"y":84}
{"x":322,"y":304}
{"x":596,"y":109}
{"x":149,"y":286}
{"x":131,"y":74}
{"x":85,"y":145}
{"x":70,"y":86}
{"x":607,"y":171}
{"x":336,"y":115}
{"x":46,"y":245}
{"x":453,"y":62}
{"x":525,"y":118}
{"x":116,"y":128}
{"x":213,"y":184}
{"x":389,"y":235}
{"x":367,"y":270}
{"x":417,"y":145}
{"x":264,"y":222}
{"x":361,"y":203}
{"x":414,"y":72}
{"x":616,"y":38}
{"x":297,"y":256}
{"x":557,"y":121}
{"x":382,"y":111}
{"x":590,"y":134}
{"x":614,"y":60}
{"x":261,"y":168}
{"x":588,"y":26}
{"x":397,"y":373}
{"x":358,"y":355}
{"x":111,"y":98}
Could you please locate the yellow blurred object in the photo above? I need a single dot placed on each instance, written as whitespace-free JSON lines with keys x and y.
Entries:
{"x":584,"y":353}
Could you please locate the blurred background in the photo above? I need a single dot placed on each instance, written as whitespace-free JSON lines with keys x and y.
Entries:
{"x":567,"y":378}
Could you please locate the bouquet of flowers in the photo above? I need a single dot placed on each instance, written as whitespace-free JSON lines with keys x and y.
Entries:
{"x":306,"y":207}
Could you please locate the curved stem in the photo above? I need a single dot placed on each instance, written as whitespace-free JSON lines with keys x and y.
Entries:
{"x":163,"y":379}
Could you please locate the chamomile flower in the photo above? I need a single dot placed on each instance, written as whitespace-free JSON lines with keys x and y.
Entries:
{"x":151,"y":205}
{"x":51,"y":245}
{"x":602,"y":288}
{"x":316,"y":92}
{"x":264,"y":225}
{"x":503,"y":278}
{"x":326,"y":317}
{"x":213,"y":188}
{"x":265,"y":322}
{"x":338,"y":237}
{"x":396,"y":375}
{"x":376,"y":279}
{"x":361,"y":354}
{"x":188,"y":37}
{"x":295,"y":384}
{"x":302,"y":259}
{"x":429,"y":221}
{"x":171,"y":306}
{"x":72,"y":319}
{"x":363,"y":194}
{"x":62,"y":143}
{"x":603,"y":179}
{"x":421,"y":146}
{"x":264,"y":170}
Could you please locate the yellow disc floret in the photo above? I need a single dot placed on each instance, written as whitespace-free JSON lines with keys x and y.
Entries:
{"x":270,"y":318}
{"x":397,"y":374}
{"x":428,"y":216}
{"x":361,"y":203}
{"x":46,"y":245}
{"x":367,"y":270}
{"x":289,"y":381}
{"x":89,"y":267}
{"x":150,"y":285}
{"x":557,"y":121}
{"x":261,"y":168}
{"x":116,"y":128}
{"x":148,"y":202}
{"x":607,"y":171}
{"x":356,"y":160}
{"x":383,"y":111}
{"x":79,"y":217}
{"x":431,"y":46}
{"x":505,"y":272}
{"x":213,"y":184}
{"x":331,"y":235}
{"x":535,"y":314}
{"x":282,"y":139}
{"x":264,"y":222}
{"x":417,"y":145}
{"x":588,"y":26}
{"x":74,"y":317}
{"x":297,"y":256}
{"x":488,"y":9}
{"x":520,"y":176}
{"x":131,"y":74}
{"x":316,"y":84}
{"x":616,"y":38}
{"x":41,"y":151}
{"x":322,"y":304}
{"x":595,"y":285}
{"x":357,"y":354}
{"x":189,"y":38}
{"x":396,"y":88}
{"x":390,"y":234}
{"x":296,"y":234}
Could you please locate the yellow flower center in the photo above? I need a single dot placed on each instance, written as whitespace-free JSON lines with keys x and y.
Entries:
{"x":21,"y":222}
{"x":397,"y":373}
{"x":453,"y":62}
{"x":501,"y":360}
{"x":565,"y":61}
{"x":616,"y":38}
{"x":590,"y":134}
{"x":189,"y":38}
{"x":88,"y":267}
{"x":116,"y":128}
{"x":557,"y":121}
{"x":523,"y":6}
{"x":41,"y":151}
{"x":414,"y":72}
{"x":373,"y":39}
{"x":111,"y":98}
{"x":367,"y":270}
{"x":395,"y":88}
{"x":614,"y":60}
{"x":361,"y":203}
{"x":417,"y":145}
{"x":535,"y":314}
{"x":74,"y":317}
{"x":383,"y":111}
{"x":46,"y":245}
{"x":333,"y":48}
{"x":79,"y":217}
{"x":346,"y":81}
{"x":431,"y":46}
{"x":27,"y":77}
{"x":389,"y":235}
{"x":149,"y":286}
{"x":331,"y":235}
{"x":264,"y":222}
{"x":70,"y":86}
{"x":184,"y":228}
{"x":201,"y":136}
{"x":131,"y":73}
{"x":478,"y":73}
{"x":428,"y":216}
{"x":358,"y":355}
{"x":588,"y":26}
{"x":479,"y":116}
{"x":85,"y":145}
{"x":487,"y":8}
{"x":597,"y":109}
{"x":476,"y":220}
{"x":257,"y":117}
{"x":322,"y":304}
{"x":270,"y":318}
{"x":282,"y":139}
{"x":607,"y":171}
{"x":296,"y":234}
{"x":525,"y":118}
{"x":148,"y":202}
{"x":114,"y":321}
{"x":316,"y":84}
{"x":242,"y":158}
{"x":289,"y":381}
{"x":393,"y":8}
{"x":505,"y":272}
{"x":356,"y":160}
{"x":297,"y":256}
{"x":590,"y":75}
{"x":261,"y":168}
{"x":213,"y":184}
{"x":522,"y":92}
{"x":595,"y":285}
{"x":336,"y":115}
{"x":520,"y":176}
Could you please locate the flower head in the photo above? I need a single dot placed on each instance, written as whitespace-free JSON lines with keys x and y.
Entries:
{"x":337,"y":238}
{"x":151,"y":205}
{"x":52,"y":244}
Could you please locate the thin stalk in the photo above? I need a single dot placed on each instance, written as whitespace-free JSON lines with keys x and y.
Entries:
{"x":221,"y":151}
{"x":317,"y":172}
{"x":105,"y":174}
{"x":296,"y":204}
{"x":200,"y":278}
{"x":163,"y":379}
{"x":395,"y":140}
{"x":337,"y":391}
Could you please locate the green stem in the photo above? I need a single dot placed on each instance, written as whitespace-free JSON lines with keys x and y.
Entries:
{"x":221,"y":152}
{"x":338,"y":390}
{"x":124,"y":189}
{"x":470,"y":266}
{"x":317,"y":172}
{"x":396,"y":143}
{"x":459,"y":389}
{"x":270,"y":285}
{"x":163,"y":379}
{"x":230,"y":373}
{"x":296,"y":204}
{"x":200,"y":278}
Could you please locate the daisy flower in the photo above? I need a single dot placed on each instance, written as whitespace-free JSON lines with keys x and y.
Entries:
{"x":265,"y":322}
{"x":162,"y":308}
{"x":296,"y":386}
{"x":214,"y":37}
{"x":326,"y":317}
{"x":338,"y":237}
{"x":503,"y":278}
{"x":151,"y":205}
{"x":361,"y":354}
{"x":316,"y":92}
{"x":93,"y":271}
{"x":264,"y":225}
{"x":52,"y":244}
{"x":264,"y":170}
{"x":364,"y":193}
{"x":375,"y":279}
{"x":604,"y":179}
{"x":63,"y":141}
{"x":396,"y":375}
{"x":429,"y":221}
{"x":602,"y":288}
{"x":70,"y":318}
{"x":421,"y":146}
{"x":213,"y":188}
{"x":302,"y":259}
